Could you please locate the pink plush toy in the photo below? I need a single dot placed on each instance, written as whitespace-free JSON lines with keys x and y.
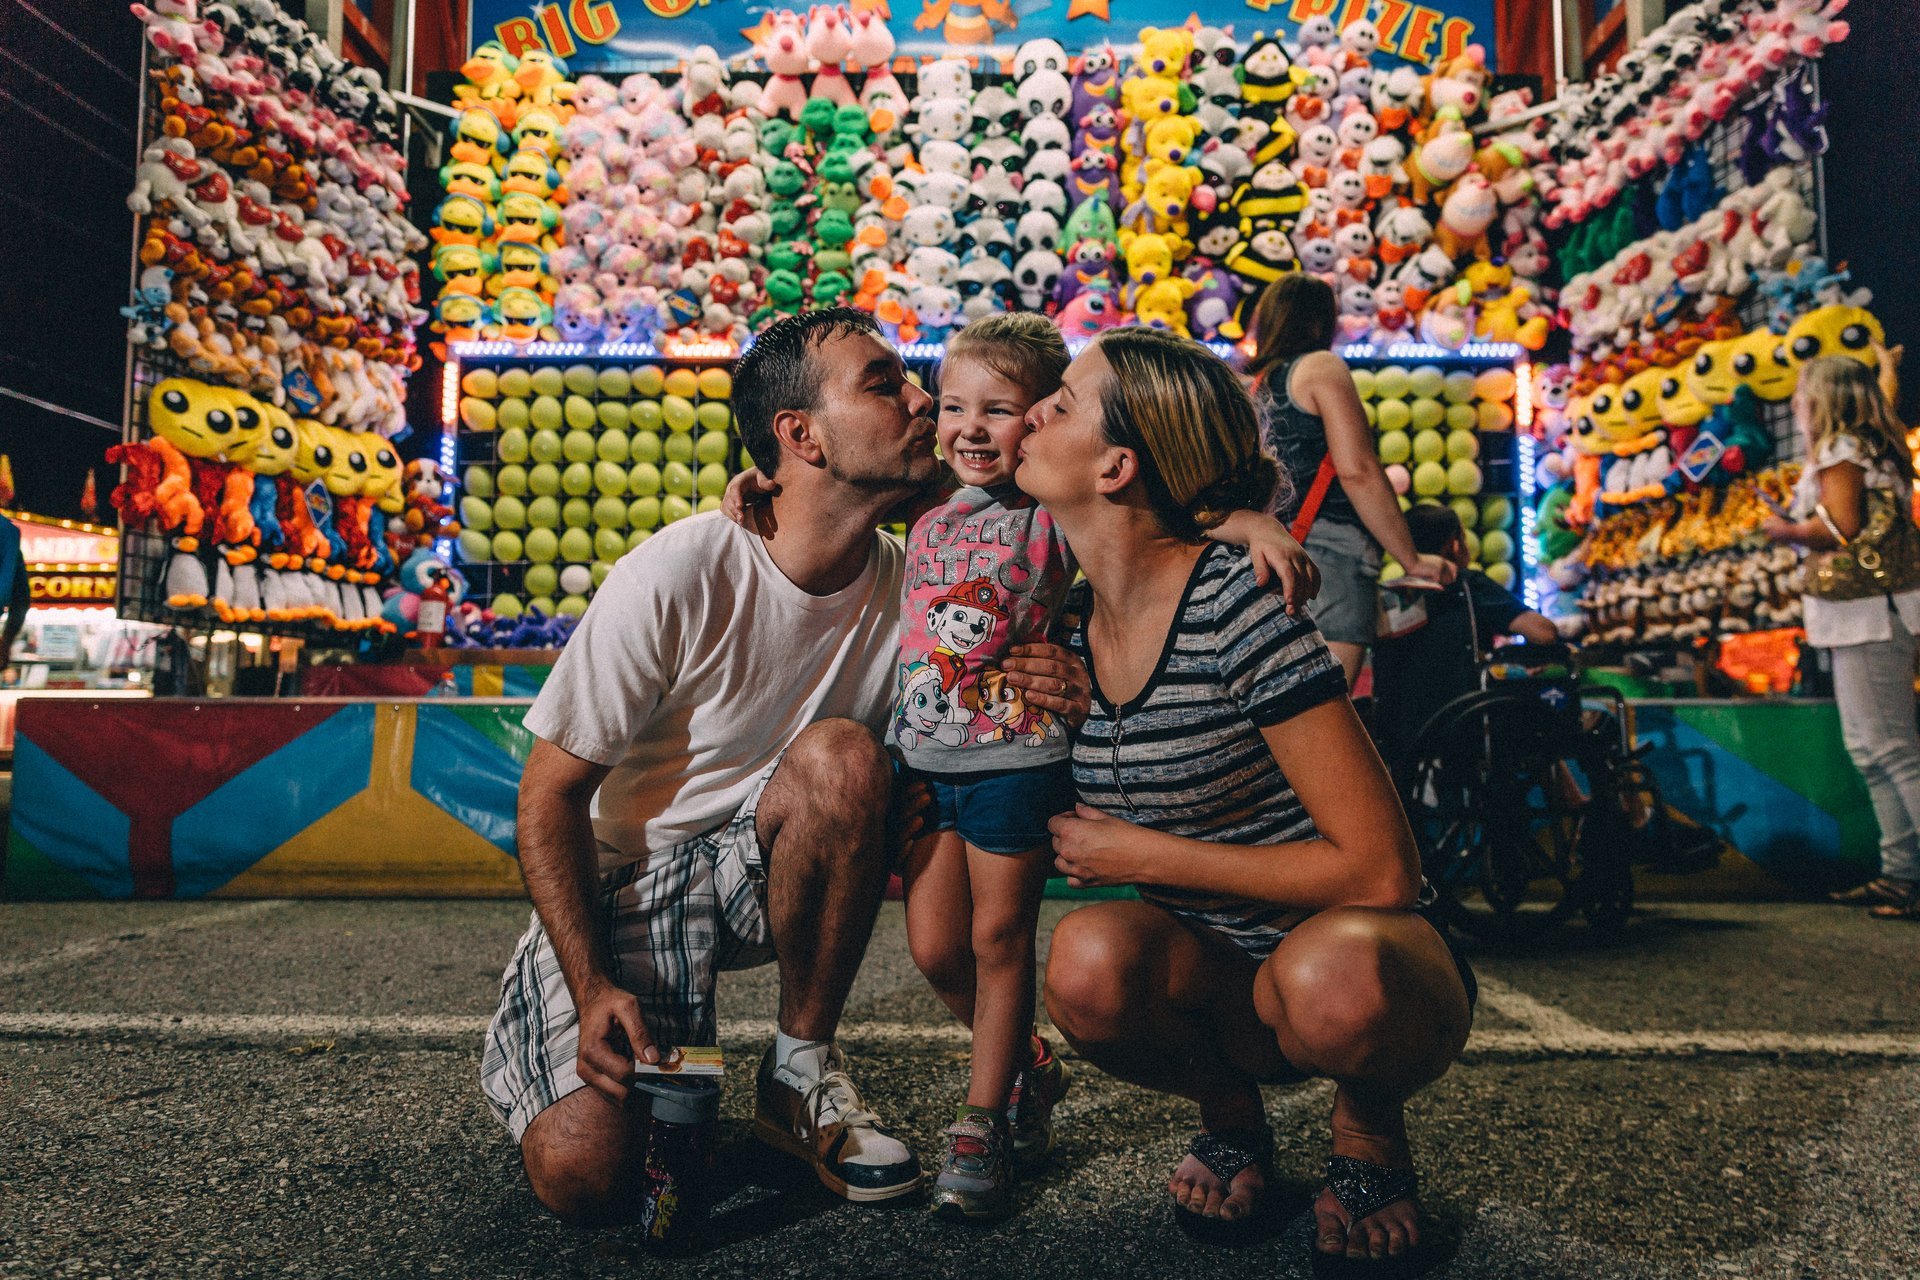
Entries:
{"x":784,"y":51}
{"x":872,"y":49}
{"x":829,"y":40}
{"x":1465,"y":215}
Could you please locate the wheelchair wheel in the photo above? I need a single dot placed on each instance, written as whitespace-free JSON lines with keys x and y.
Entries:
{"x":1499,"y":799}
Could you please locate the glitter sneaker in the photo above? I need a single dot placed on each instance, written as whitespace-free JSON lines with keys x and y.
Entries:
{"x":1039,"y":1086}
{"x":975,"y":1181}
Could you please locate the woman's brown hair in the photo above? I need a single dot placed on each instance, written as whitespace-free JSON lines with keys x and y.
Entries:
{"x":1843,"y":397}
{"x":1294,"y":315}
{"x":1190,"y":422}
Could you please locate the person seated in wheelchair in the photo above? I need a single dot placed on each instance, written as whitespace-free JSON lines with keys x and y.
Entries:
{"x":1419,"y":672}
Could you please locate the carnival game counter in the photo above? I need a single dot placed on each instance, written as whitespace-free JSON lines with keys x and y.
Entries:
{"x":414,"y":797}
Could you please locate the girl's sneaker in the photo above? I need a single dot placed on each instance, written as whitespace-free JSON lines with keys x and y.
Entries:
{"x":1039,"y":1086}
{"x":976,"y":1177}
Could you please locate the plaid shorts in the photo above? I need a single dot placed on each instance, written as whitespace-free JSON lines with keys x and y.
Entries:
{"x":677,"y":918}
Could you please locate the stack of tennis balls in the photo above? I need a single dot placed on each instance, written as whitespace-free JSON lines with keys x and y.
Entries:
{"x":569,"y":467}
{"x":1426,"y":419}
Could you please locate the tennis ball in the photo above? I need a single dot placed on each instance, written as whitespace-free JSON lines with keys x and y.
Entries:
{"x":478,"y":481}
{"x":644,"y":446}
{"x":1397,"y":477}
{"x":711,"y":447}
{"x":1501,"y":571}
{"x":513,"y":415}
{"x":601,"y":568}
{"x":610,"y":512}
{"x":1428,"y":413}
{"x":1372,"y":414}
{"x":475,"y":546}
{"x":579,"y":413}
{"x":1463,"y":477}
{"x":706,"y":504}
{"x":507,"y":546}
{"x":542,"y":545}
{"x":511,"y":481}
{"x":612,"y":446}
{"x":613,"y":414}
{"x":576,"y":546}
{"x":577,"y":446}
{"x":545,"y":446}
{"x":547,"y":381}
{"x":1430,"y":479}
{"x":1390,"y":383}
{"x":542,"y":578}
{"x":544,"y":513}
{"x":1495,"y":545}
{"x":1461,"y":417}
{"x":545,"y":413}
{"x":515,"y":382}
{"x":677,"y":412}
{"x":1363,"y":383}
{"x":577,"y":479}
{"x":677,"y":478}
{"x":648,"y":380}
{"x":1495,"y":512}
{"x":609,"y":543}
{"x":609,"y":477}
{"x":1473,"y":545}
{"x":1390,"y":571}
{"x":638,"y":536}
{"x":579,"y":379}
{"x":1393,"y":415}
{"x":575,"y":579}
{"x":674,"y":507}
{"x":684,"y":383}
{"x":510,"y":513}
{"x":1494,"y":415}
{"x":614,"y":381}
{"x":543,"y":479}
{"x":1395,"y":447}
{"x":643,"y":480}
{"x":1405,"y":506}
{"x":572,"y":606}
{"x":1426,"y":380}
{"x":678,"y":447}
{"x":478,"y":415}
{"x":1429,"y":446}
{"x":711,"y":481}
{"x":1462,"y":444}
{"x":715,"y":383}
{"x":484,"y":383}
{"x":541,"y":604}
{"x":1457,"y":387}
{"x":506,"y":605}
{"x":646,"y":416}
{"x":475,"y":513}
{"x":713,"y":415}
{"x":512,"y":445}
{"x":576,"y":513}
{"x":644,"y":513}
{"x":1495,"y":384}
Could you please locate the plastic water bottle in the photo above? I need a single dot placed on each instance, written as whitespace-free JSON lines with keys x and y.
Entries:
{"x":678,"y":1180}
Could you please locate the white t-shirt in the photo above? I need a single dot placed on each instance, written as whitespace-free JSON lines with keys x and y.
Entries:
{"x":1832,"y":624}
{"x":697,"y":663}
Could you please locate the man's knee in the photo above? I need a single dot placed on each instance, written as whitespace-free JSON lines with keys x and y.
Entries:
{"x":837,"y":766}
{"x":583,"y":1160}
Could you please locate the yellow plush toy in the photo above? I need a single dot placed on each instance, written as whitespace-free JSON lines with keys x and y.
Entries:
{"x":1835,"y":331}
{"x":1163,"y":304}
{"x":1149,"y":257}
{"x":1164,"y":51}
{"x":1759,"y":360}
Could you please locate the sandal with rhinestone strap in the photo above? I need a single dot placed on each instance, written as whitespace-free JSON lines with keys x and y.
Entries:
{"x":1364,"y":1189}
{"x":1227,"y":1154}
{"x":1879,"y":891}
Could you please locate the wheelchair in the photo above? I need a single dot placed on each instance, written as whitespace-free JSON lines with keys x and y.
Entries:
{"x":1530,"y":803}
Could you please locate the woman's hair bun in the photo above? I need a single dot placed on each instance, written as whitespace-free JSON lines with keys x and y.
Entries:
{"x":1249,"y":486}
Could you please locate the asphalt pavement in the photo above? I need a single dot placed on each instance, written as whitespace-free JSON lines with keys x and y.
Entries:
{"x":289,"y":1088}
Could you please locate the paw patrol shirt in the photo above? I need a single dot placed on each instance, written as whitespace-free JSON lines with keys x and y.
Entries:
{"x":986,"y":571}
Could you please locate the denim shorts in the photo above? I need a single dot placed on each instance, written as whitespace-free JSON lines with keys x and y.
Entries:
{"x":1003,"y":812}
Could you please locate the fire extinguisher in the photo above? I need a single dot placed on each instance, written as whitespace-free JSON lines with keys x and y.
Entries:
{"x":431,"y":625}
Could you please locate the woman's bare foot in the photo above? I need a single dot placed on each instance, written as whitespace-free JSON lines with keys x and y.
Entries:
{"x":1377,"y":1135}
{"x":1197,"y":1189}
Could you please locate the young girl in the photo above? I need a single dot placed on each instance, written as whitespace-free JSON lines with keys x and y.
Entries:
{"x":1854,"y":446}
{"x":986,"y":571}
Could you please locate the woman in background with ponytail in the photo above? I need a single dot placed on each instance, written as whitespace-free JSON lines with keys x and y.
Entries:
{"x":1223,"y":772}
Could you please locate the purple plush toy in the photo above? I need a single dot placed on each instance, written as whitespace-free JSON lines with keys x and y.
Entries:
{"x":1210,"y":309}
{"x":1799,"y":129}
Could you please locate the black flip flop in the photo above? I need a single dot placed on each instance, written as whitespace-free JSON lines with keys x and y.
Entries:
{"x":1227,"y":1154}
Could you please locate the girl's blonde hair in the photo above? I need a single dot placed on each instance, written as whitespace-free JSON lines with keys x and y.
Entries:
{"x":1192,"y":425}
{"x":1843,"y":397}
{"x":1023,"y":347}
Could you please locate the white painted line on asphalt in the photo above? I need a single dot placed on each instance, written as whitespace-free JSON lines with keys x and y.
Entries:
{"x":233,"y":914}
{"x":1541,"y":1019}
{"x":439,"y":1028}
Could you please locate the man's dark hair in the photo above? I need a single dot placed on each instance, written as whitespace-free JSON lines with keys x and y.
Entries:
{"x":1434,"y":527}
{"x":776,"y":373}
